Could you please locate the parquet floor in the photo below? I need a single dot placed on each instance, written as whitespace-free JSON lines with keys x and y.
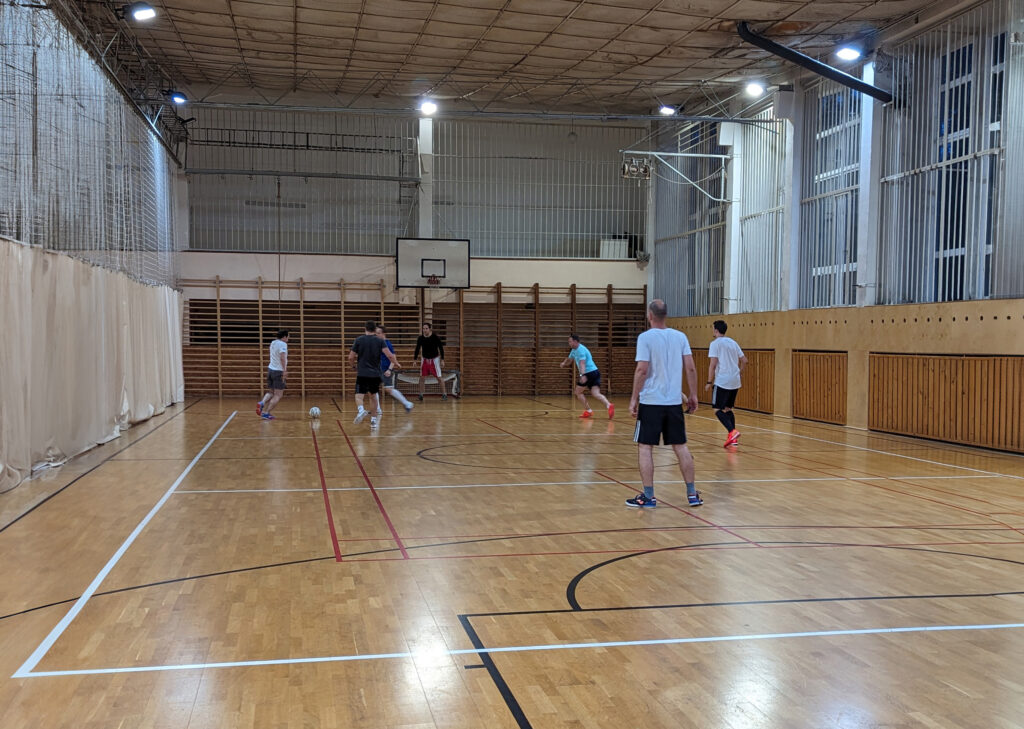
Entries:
{"x":472,"y":565}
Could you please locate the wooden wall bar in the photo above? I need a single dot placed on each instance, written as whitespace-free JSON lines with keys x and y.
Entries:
{"x":504,"y":340}
{"x":819,"y":386}
{"x":975,"y":400}
{"x":758,"y":391}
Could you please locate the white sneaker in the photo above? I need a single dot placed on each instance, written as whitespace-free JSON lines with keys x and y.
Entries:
{"x":374,"y":422}
{"x":360,"y":417}
{"x":408,"y":407}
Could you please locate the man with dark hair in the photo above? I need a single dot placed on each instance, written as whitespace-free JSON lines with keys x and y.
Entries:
{"x":657,"y":402}
{"x":366,"y":355}
{"x":277,"y":372}
{"x":725,"y":363}
{"x":589,"y":377}
{"x":389,"y":377}
{"x":432,"y":361}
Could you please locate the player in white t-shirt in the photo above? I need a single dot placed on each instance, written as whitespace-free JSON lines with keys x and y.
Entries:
{"x":725,"y":363}
{"x":657,"y":402}
{"x":277,"y":372}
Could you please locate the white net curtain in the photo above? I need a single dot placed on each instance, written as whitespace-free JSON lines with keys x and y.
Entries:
{"x":87,"y":352}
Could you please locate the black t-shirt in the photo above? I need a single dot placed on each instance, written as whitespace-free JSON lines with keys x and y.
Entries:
{"x":431,"y":347}
{"x":368,"y":348}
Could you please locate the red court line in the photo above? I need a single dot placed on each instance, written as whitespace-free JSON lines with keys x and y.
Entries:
{"x":369,"y":483}
{"x":327,"y":500}
{"x":492,"y":425}
{"x":685,"y":511}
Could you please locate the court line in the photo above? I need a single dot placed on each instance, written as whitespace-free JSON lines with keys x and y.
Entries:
{"x":491,"y":425}
{"x":874,"y":450}
{"x":688,"y":512}
{"x":327,"y":498}
{"x":44,"y":647}
{"x":570,"y":483}
{"x":529,"y":648}
{"x":104,"y":461}
{"x":373,"y":491}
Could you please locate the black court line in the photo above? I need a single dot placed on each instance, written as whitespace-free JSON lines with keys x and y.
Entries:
{"x":104,"y":461}
{"x":516,"y":709}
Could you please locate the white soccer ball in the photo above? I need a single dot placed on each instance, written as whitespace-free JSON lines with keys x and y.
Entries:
{"x":314,"y":412}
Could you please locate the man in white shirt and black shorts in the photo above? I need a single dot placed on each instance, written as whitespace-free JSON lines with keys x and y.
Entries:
{"x":657,"y":402}
{"x":725,"y":363}
{"x":277,"y":372}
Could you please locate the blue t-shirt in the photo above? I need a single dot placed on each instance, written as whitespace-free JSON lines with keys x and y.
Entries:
{"x":584,"y":361}
{"x":385,"y":363}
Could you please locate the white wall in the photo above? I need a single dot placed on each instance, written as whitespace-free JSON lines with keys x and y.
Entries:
{"x":371,"y":269}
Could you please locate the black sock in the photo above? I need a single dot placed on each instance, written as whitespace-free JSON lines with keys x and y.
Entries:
{"x":723,"y":418}
{"x":732,"y":421}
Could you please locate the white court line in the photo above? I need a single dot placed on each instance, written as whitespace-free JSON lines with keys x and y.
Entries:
{"x":525,"y":648}
{"x":871,"y":450}
{"x":568,"y":483}
{"x":37,"y":655}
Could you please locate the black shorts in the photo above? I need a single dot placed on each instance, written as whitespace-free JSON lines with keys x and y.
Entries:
{"x":722,"y":398}
{"x":388,"y":380}
{"x":367,"y":385}
{"x":275,"y":380}
{"x":655,"y":423}
{"x":590,"y":379}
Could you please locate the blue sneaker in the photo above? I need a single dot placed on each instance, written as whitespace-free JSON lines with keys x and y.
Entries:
{"x":267,"y":416}
{"x":695,"y":500}
{"x":642,"y":502}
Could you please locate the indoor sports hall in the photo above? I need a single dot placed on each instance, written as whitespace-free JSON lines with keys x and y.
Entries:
{"x":226,"y":503}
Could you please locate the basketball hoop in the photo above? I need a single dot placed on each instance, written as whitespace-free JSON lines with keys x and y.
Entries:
{"x":434,"y":282}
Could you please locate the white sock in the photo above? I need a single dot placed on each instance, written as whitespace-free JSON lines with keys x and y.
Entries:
{"x":399,"y":396}
{"x":266,"y":399}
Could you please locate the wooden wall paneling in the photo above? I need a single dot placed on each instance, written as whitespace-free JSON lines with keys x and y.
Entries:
{"x":498,"y":339}
{"x":820,"y":386}
{"x":555,"y":324}
{"x":462,"y":333}
{"x":608,"y":379}
{"x":342,"y":344}
{"x":536,"y":339}
{"x":758,"y":380}
{"x":220,"y":361}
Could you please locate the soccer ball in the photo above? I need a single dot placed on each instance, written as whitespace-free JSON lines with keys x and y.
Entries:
{"x":314,"y":412}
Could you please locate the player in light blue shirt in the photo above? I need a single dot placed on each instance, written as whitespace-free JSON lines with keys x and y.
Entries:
{"x":589,"y":377}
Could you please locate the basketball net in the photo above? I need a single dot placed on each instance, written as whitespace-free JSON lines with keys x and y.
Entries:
{"x":434,"y":282}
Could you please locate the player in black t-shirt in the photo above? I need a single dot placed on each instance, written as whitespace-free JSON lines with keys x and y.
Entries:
{"x":365,"y":355}
{"x":433,"y":357}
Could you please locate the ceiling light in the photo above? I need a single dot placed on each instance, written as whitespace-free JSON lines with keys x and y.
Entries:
{"x":755,"y":89}
{"x":666,"y":111}
{"x":848,"y":53}
{"x":138,"y":11}
{"x":428,"y":107}
{"x":177,"y":97}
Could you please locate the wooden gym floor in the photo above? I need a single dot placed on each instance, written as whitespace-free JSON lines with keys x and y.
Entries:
{"x":472,"y":565}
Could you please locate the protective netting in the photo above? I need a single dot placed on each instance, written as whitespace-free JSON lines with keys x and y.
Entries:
{"x":80,"y":170}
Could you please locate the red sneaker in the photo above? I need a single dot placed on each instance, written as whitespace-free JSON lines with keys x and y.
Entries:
{"x":259,"y":407}
{"x":733,"y":439}
{"x":611,"y":412}
{"x":587,"y":414}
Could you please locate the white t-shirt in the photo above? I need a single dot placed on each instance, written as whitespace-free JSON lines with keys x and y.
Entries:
{"x":727,"y":375}
{"x":277,"y":348}
{"x":664,"y":349}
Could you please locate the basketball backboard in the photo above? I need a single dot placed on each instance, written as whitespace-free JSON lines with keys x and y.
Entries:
{"x":418,"y":259}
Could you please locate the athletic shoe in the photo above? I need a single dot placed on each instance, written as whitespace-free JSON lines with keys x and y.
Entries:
{"x":360,"y":417}
{"x":611,"y":412}
{"x":379,"y":412}
{"x":695,"y":500}
{"x":374,"y":422}
{"x":259,"y":408}
{"x":733,"y":439}
{"x":444,"y":396}
{"x":267,"y":416}
{"x":587,"y":414}
{"x":642,"y":502}
{"x":420,"y":397}
{"x":408,"y":407}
